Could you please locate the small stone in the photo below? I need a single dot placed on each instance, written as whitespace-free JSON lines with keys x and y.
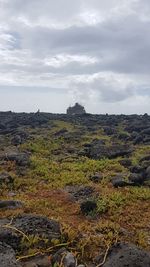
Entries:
{"x":96,"y":178}
{"x":69,"y":260}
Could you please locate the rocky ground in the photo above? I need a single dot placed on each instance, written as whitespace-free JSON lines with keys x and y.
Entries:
{"x":75,"y":190}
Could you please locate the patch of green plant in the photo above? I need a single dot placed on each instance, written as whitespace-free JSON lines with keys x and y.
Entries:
{"x":140,"y":152}
{"x":111,"y":202}
{"x":140,"y":193}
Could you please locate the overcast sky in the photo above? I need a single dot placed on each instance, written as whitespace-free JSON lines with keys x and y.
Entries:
{"x":54,"y":53}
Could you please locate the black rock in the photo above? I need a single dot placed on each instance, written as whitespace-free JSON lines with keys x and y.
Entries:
{"x":147,"y":173}
{"x":7,"y":256}
{"x":6,"y":178}
{"x":119,"y":182}
{"x":127,"y":255}
{"x":125,"y":162}
{"x":138,"y":140}
{"x":136,"y":178}
{"x":16,"y":140}
{"x":99,"y":151}
{"x":88,"y":206}
{"x":61,"y":132}
{"x":145,"y":158}
{"x":80,"y":192}
{"x":137,"y":169}
{"x":21,"y":159}
{"x":96,"y":178}
{"x":10,"y":204}
{"x":30,"y":225}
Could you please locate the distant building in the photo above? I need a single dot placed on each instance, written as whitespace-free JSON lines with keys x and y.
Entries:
{"x":76,"y":109}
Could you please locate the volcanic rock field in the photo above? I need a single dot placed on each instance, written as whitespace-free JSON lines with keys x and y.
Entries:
{"x":74,"y":190}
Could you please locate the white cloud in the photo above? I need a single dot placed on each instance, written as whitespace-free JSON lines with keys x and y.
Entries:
{"x":65,"y":59}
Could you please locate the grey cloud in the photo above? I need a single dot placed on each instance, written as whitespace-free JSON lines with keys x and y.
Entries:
{"x":34,"y":31}
{"x":127,"y":40}
{"x":104,"y":89}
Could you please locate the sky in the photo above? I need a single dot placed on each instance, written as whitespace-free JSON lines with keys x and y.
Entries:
{"x":56,"y":53}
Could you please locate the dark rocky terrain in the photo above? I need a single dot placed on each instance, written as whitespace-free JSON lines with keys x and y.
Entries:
{"x":75,"y":190}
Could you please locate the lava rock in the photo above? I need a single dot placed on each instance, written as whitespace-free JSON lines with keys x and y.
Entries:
{"x":136,"y":178}
{"x":21,"y":159}
{"x":7,"y":256}
{"x":127,"y":255}
{"x":10,"y":204}
{"x":98,"y":151}
{"x":61,"y":132}
{"x":119,"y":182}
{"x":69,"y":260}
{"x":16,"y":140}
{"x":138,"y":140}
{"x":30,"y":225}
{"x":80,"y":192}
{"x":88,"y":206}
{"x":96,"y":178}
{"x":6,"y":178}
{"x":125,"y":162}
{"x":148,"y":173}
{"x":137,"y":169}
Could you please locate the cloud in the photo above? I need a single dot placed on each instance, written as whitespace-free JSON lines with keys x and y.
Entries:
{"x":94,"y":51}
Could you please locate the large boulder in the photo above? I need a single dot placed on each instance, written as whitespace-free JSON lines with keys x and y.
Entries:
{"x":25,"y":226}
{"x":127,"y":255}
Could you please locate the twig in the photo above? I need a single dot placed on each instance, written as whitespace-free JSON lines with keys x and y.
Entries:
{"x":57,"y":246}
{"x":28,"y":256}
{"x":105,"y":256}
{"x":41,"y":252}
